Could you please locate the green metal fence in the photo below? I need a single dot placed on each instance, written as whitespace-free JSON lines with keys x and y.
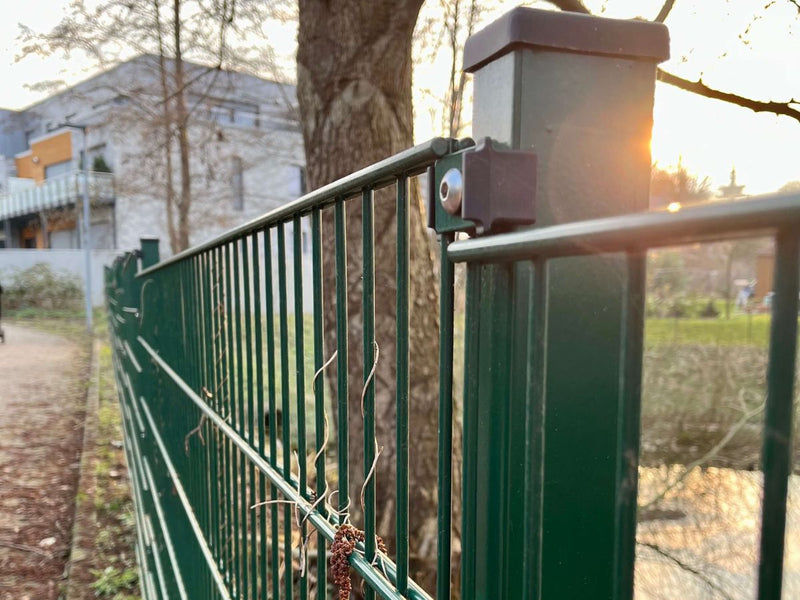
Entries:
{"x":196,"y":378}
{"x":213,"y":364}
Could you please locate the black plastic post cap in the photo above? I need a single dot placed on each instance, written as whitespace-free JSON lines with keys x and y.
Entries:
{"x":568,"y":32}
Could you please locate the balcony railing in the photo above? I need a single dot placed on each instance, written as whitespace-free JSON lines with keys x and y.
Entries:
{"x":56,"y":192}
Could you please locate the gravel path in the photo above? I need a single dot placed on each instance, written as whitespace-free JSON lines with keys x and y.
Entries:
{"x":42,"y":397}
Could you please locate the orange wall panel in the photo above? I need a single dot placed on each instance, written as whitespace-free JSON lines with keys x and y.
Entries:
{"x":49,"y":151}
{"x":764,"y":266}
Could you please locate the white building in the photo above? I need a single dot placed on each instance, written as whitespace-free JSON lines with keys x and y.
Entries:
{"x":246,"y":157}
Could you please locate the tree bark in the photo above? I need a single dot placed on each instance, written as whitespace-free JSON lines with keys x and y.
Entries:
{"x":167,"y":131}
{"x":354,"y":90}
{"x":181,"y":117}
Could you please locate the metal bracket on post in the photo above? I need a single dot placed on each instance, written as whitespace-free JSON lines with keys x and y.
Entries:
{"x":482,"y":189}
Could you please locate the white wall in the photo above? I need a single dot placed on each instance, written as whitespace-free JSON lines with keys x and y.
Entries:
{"x":70,"y":261}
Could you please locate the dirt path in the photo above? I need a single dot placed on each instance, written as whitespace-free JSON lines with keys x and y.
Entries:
{"x":42,"y":396}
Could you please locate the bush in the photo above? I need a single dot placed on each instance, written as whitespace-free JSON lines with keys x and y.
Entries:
{"x":681,"y":307}
{"x":678,"y":309}
{"x":42,"y":288}
{"x":710,"y":311}
{"x":99,"y":165}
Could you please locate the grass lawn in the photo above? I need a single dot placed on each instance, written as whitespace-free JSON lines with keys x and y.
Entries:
{"x":739,"y":330}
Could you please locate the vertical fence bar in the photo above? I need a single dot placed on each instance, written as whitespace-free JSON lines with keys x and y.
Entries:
{"x":340,"y":241}
{"x":777,"y":449}
{"x":285,"y":407}
{"x":271,"y":400}
{"x":220,"y":405}
{"x":240,"y":476}
{"x":209,"y":394}
{"x":259,"y":366}
{"x":210,"y":277}
{"x":470,"y":435}
{"x":629,"y":424}
{"x":402,"y":384}
{"x":534,"y":427}
{"x":250,"y":415}
{"x":233,"y":459}
{"x":319,"y":394}
{"x":368,"y":394}
{"x":297,"y":258}
{"x":445,"y":443}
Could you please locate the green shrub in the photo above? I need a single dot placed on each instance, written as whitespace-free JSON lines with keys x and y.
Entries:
{"x":42,"y":288}
{"x":111,"y":582}
{"x":710,"y":311}
{"x":681,"y":307}
{"x":99,"y":165}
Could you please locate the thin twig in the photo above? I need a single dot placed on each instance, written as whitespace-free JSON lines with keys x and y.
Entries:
{"x":325,"y":441}
{"x":25,"y":548}
{"x":141,"y":301}
{"x":198,"y":430}
{"x":343,"y":513}
{"x":700,"y":88}
{"x":272,"y":502}
{"x":370,"y":376}
{"x":371,"y":473}
{"x":666,"y":8}
{"x":686,"y":567}
{"x":323,"y":367}
{"x":314,"y":506}
{"x":707,"y":456}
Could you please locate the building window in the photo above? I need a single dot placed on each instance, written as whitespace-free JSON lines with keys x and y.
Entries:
{"x":246,"y":117}
{"x":222,"y":114}
{"x":297,"y":180}
{"x":237,"y":182}
{"x":57,"y":169}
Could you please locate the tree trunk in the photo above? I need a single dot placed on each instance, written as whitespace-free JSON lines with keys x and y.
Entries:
{"x":181,"y":116}
{"x":354,"y":90}
{"x":167,"y":131}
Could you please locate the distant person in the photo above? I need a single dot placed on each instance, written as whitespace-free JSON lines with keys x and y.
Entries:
{"x":743,"y":297}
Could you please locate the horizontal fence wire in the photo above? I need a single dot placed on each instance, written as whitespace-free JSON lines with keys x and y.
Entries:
{"x":233,"y":494}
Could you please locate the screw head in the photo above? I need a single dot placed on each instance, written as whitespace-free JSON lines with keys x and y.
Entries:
{"x":451,"y":189}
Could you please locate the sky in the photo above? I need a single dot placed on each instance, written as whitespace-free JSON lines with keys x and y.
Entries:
{"x":735,"y":45}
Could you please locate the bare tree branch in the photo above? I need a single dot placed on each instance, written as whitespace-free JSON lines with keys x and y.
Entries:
{"x":664,"y":12}
{"x":701,"y":89}
{"x":686,"y":567}
{"x":571,"y":6}
{"x":706,"y":457}
{"x":698,"y":87}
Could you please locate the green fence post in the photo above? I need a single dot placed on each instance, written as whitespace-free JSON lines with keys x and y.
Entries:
{"x":150,"y":254}
{"x":553,"y":347}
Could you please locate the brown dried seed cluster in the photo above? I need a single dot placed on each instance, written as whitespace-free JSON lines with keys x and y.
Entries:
{"x":344,"y":543}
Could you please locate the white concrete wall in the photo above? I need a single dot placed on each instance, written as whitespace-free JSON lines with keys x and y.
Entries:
{"x":69,"y":261}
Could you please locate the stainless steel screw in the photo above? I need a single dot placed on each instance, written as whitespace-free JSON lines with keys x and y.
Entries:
{"x":451,"y":190}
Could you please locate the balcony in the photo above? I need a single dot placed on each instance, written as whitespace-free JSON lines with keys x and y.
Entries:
{"x":56,"y":192}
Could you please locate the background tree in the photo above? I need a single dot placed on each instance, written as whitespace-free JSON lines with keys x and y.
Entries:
{"x":354,"y":91}
{"x":209,"y":32}
{"x":441,"y":31}
{"x":786,"y":108}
